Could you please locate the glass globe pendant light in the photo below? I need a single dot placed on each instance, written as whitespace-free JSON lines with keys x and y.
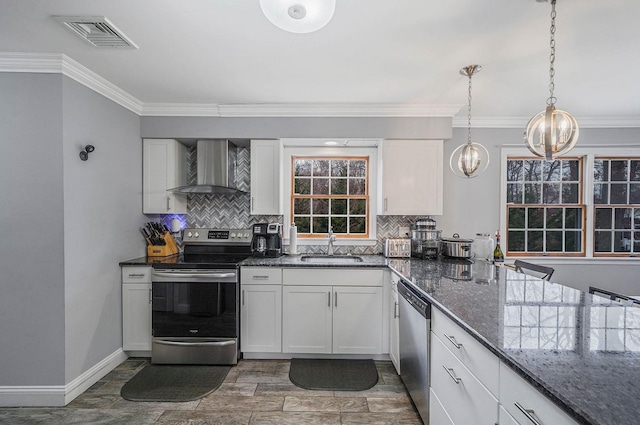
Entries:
{"x":552,"y":132}
{"x":471,"y":159}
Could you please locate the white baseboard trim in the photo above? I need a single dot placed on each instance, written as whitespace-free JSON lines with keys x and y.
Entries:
{"x":79,"y":385}
{"x":59,"y":395}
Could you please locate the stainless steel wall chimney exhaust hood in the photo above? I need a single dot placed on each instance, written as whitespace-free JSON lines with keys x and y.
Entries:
{"x":217,"y":168}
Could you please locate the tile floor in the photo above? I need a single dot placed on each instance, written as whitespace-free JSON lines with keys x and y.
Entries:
{"x":256,"y":392}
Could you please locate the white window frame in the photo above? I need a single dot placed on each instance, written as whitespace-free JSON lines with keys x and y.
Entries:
{"x":314,"y":147}
{"x":588,"y":152}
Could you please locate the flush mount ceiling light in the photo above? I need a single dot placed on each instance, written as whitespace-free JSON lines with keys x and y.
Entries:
{"x":471,"y":159}
{"x":552,"y":132}
{"x":299,"y":16}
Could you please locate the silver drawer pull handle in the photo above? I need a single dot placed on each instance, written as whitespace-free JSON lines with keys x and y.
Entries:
{"x":260,"y":277}
{"x":452,"y":374}
{"x":135,"y":275}
{"x":452,"y":340}
{"x":529,"y":413}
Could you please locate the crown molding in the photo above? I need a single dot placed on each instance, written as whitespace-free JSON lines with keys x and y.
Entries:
{"x":55,"y":63}
{"x":181,"y":110}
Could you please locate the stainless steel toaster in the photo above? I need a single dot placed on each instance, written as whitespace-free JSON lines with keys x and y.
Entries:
{"x":397,"y":247}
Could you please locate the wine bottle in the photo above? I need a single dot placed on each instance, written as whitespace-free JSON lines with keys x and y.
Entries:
{"x":498,"y":256}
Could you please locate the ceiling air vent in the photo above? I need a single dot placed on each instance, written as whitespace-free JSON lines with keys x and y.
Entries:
{"x":97,"y":30}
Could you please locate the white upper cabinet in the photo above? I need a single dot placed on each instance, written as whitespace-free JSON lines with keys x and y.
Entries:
{"x":412,"y":176}
{"x":266,"y":177}
{"x":163,"y":168}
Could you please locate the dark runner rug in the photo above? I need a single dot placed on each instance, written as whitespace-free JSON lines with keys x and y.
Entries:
{"x":174,"y":383}
{"x":333,"y":374}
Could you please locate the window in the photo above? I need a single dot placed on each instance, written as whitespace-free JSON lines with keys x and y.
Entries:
{"x":584,"y":205}
{"x":616,"y":199}
{"x":330,"y":191}
{"x":545,"y":214}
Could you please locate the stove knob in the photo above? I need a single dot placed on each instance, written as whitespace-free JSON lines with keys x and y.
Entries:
{"x":189,"y":234}
{"x":233,"y":235}
{"x":197,"y":235}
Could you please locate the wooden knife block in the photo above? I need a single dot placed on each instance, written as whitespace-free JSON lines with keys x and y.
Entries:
{"x":170,"y":247}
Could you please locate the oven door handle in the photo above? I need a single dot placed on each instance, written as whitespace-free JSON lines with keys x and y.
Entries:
{"x":196,"y":344}
{"x":192,"y":275}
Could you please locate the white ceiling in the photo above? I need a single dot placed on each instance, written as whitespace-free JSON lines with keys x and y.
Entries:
{"x":400,"y":52}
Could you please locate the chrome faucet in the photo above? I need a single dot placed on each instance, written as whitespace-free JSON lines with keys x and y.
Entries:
{"x":331,"y":238}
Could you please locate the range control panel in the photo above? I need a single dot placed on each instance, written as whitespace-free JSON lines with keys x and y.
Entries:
{"x":217,"y":236}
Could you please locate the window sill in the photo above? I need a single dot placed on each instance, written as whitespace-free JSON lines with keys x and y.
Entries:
{"x":578,"y":260}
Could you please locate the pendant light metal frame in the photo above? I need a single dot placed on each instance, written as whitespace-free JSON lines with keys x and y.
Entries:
{"x":552,"y":132}
{"x":470,"y":159}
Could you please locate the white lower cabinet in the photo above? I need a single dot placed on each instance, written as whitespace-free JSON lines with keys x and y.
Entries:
{"x":437,"y":414}
{"x":261,"y":310}
{"x":332,"y":311}
{"x":464,"y":398}
{"x":136,"y":308}
{"x":527,"y":405}
{"x":504,"y":418}
{"x":261,"y":319}
{"x":332,"y":319}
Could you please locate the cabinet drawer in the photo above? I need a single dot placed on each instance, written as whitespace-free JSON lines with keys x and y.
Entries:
{"x":261,"y":275}
{"x":332,"y":276}
{"x":515,"y":391}
{"x":136,"y":274}
{"x":437,"y":414}
{"x":463,"y":397}
{"x":478,"y":359}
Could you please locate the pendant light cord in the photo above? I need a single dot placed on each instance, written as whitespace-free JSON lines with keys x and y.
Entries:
{"x":469,"y":109}
{"x":551,"y":101}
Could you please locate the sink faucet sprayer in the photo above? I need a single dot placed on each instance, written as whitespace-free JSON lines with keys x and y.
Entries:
{"x":331,"y":238}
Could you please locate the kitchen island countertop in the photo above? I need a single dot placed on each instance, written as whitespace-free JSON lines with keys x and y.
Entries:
{"x":581,"y":350}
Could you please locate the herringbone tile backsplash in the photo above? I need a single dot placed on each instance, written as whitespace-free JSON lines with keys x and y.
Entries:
{"x":232,"y":211}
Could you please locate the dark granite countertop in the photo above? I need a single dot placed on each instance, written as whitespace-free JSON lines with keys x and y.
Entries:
{"x":580,"y":350}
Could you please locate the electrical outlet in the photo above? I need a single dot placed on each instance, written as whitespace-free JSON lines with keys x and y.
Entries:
{"x":403,"y":231}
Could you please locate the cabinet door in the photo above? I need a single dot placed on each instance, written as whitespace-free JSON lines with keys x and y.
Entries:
{"x":464,"y":398}
{"x":136,"y":317}
{"x":504,"y":418}
{"x":521,"y":399}
{"x":306,"y":319}
{"x":266,"y":177}
{"x":437,"y":414}
{"x":412,"y":176}
{"x":261,"y":318}
{"x":164,"y":167}
{"x":357,"y":319}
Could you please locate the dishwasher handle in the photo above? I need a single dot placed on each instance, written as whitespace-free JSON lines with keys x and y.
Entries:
{"x":413,"y":296}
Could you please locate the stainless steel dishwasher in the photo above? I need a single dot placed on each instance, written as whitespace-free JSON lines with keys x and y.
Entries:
{"x":415,"y":323}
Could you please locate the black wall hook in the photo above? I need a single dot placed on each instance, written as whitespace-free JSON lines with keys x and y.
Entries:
{"x":84,"y":155}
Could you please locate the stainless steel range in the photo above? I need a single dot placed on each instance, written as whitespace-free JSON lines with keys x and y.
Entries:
{"x":195,"y":315}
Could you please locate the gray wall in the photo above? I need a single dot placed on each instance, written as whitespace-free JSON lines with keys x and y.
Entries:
{"x":64,"y":225}
{"x":265,"y":128}
{"x":31,"y":230}
{"x":102,"y":214}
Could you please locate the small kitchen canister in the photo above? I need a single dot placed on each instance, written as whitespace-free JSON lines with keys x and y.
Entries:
{"x":483,"y":247}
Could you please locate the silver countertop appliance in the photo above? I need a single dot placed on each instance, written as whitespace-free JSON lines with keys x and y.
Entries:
{"x":397,"y":248}
{"x":425,"y":238}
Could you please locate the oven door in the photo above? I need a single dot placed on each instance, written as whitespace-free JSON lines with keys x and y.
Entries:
{"x":194,"y":316}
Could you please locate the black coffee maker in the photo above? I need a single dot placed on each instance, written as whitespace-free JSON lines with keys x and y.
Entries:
{"x":267,"y":240}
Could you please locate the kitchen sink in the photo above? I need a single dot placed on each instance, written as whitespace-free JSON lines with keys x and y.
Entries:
{"x":331,"y":259}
